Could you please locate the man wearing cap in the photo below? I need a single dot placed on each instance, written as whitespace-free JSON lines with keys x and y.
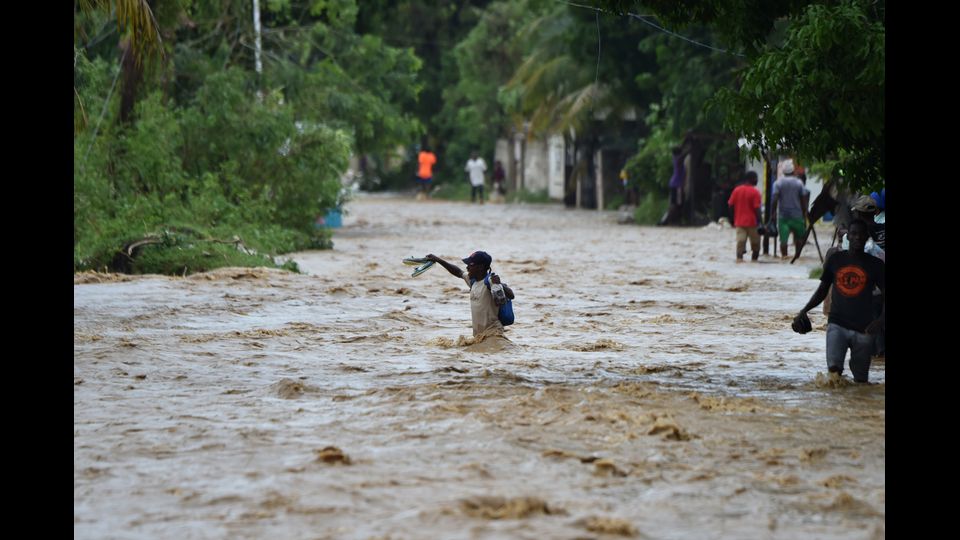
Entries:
{"x":483,"y":310}
{"x":852,"y":274}
{"x":865,"y":208}
{"x":788,"y":196}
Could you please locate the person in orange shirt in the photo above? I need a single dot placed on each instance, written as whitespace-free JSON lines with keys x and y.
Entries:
{"x":427,"y":159}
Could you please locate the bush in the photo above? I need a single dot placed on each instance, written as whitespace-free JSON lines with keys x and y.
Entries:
{"x":226,"y":181}
{"x":615,"y":202}
{"x":651,"y":167}
{"x":651,"y":209}
{"x":190,"y":258}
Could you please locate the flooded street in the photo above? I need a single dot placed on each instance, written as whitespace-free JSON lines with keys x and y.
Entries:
{"x":653,"y":389}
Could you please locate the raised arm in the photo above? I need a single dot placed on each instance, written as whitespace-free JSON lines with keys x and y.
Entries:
{"x":456,"y":271}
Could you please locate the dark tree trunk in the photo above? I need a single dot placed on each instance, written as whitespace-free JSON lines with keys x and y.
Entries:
{"x":132,"y":75}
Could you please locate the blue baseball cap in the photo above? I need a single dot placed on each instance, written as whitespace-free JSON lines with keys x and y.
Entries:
{"x":479,"y":257}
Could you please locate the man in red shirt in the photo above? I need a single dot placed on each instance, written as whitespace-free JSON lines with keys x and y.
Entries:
{"x":745,"y":201}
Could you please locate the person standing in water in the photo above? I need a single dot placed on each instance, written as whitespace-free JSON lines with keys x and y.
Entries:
{"x":851,"y":324}
{"x":483,"y":309}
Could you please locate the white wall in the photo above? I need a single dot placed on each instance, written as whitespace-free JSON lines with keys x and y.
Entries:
{"x":555,"y":158}
{"x":535,"y":175}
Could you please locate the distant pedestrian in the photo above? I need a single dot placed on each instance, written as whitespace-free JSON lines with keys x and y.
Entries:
{"x":499,"y":186}
{"x":476,"y":167}
{"x":426,"y":159}
{"x":789,"y":196}
{"x":677,"y":181}
{"x":745,"y":201}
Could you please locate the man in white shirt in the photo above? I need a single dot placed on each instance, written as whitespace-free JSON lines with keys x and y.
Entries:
{"x":476,"y":167}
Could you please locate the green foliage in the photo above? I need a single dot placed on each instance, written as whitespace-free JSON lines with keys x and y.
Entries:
{"x":227,"y":167}
{"x":190,"y":258}
{"x":821,"y":93}
{"x":815,"y":273}
{"x":813,"y":76}
{"x":742,"y":24}
{"x":651,"y":209}
{"x":214,"y":147}
{"x":615,"y":202}
{"x":355,"y":83}
{"x":472,"y":117}
{"x":686,"y":77}
{"x":262,"y":154}
{"x":563,"y":83}
{"x":651,"y":167}
{"x":431,"y":29}
{"x":135,"y":20}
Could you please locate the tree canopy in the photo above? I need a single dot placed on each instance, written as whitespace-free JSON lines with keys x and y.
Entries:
{"x":186,"y":151}
{"x":176,"y":129}
{"x":814,"y":79}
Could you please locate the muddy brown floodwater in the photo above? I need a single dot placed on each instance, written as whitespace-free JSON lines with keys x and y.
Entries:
{"x":653,"y":389}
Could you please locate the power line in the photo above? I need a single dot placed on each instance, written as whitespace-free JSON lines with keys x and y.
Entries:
{"x":642,"y":18}
{"x":597,"y":77}
{"x":103,"y":112}
{"x":662,"y":29}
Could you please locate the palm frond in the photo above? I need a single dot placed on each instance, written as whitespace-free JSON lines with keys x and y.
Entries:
{"x":136,"y":17}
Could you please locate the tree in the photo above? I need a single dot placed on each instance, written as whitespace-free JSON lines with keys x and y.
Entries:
{"x":134,"y":17}
{"x":212,"y":150}
{"x":814,"y":82}
{"x":431,"y":29}
{"x":472,"y":117}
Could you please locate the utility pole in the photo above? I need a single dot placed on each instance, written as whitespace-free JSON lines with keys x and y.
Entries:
{"x":257,"y":47}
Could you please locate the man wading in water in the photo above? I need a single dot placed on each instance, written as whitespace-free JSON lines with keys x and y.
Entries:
{"x":483,"y":310}
{"x":853,"y":274}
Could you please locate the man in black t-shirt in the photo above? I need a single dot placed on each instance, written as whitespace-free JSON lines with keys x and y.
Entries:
{"x":851,"y":324}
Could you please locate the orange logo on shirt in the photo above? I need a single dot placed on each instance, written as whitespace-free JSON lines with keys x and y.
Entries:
{"x":851,"y":280}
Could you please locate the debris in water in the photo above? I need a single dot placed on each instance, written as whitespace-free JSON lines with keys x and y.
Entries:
{"x":332,"y":454}
{"x":607,"y":525}
{"x":606,"y":467}
{"x":670,"y":429}
{"x":503,"y":508}
{"x":291,"y":389}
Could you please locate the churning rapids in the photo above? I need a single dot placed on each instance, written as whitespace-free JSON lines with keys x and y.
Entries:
{"x":653,"y":389}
